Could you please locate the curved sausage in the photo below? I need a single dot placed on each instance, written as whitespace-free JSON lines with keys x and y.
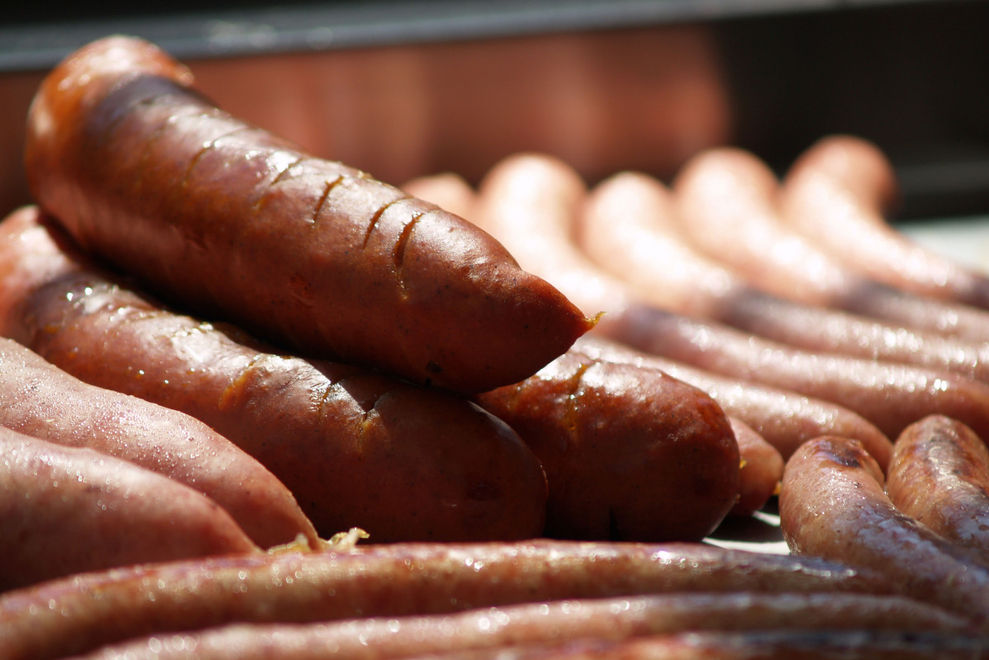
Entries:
{"x":65,"y":510}
{"x":554,"y":622}
{"x":939,"y":474}
{"x":355,"y":447}
{"x":836,"y":194}
{"x":832,"y":505}
{"x":314,"y":254}
{"x":628,"y":227}
{"x":727,"y":205}
{"x":39,"y":399}
{"x":629,"y":453}
{"x":82,"y":613}
{"x":528,"y":201}
{"x":761,"y":469}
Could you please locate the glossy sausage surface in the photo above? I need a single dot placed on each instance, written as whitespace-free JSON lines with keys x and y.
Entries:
{"x":355,"y":447}
{"x":223,"y":216}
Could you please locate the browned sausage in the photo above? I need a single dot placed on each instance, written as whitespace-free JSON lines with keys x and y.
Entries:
{"x":553,"y":622}
{"x":528,"y":201}
{"x":355,"y":447}
{"x":629,"y":228}
{"x":761,"y":469}
{"x":39,"y":399}
{"x":836,"y":194}
{"x":230,"y":219}
{"x":727,"y":203}
{"x":64,"y":510}
{"x":832,"y":505}
{"x":939,"y":474}
{"x":82,"y":613}
{"x":629,"y":453}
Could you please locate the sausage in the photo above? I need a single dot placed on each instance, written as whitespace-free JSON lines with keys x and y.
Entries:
{"x":80,"y":614}
{"x":749,"y":645}
{"x":784,"y":419}
{"x":628,"y":227}
{"x":305,"y":252}
{"x":837,"y":193}
{"x":832,"y":505}
{"x":761,"y":469}
{"x":64,"y":510}
{"x":528,"y":201}
{"x":727,"y":204}
{"x":939,"y":474}
{"x":629,"y":453}
{"x":40,"y":400}
{"x":355,"y":447}
{"x":555,"y":622}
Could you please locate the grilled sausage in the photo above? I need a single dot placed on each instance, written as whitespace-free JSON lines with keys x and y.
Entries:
{"x":629,"y":228}
{"x":554,"y":622}
{"x":225,"y":217}
{"x":727,"y":202}
{"x":629,"y":453}
{"x":939,"y":474}
{"x":64,"y":510}
{"x":355,"y":447}
{"x":832,"y":505}
{"x":39,"y":399}
{"x":82,"y":613}
{"x":837,"y":193}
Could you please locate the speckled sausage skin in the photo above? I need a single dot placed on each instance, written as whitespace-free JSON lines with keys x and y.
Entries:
{"x":77,"y":615}
{"x":65,"y":510}
{"x":629,"y":453}
{"x":355,"y":447}
{"x":837,"y":192}
{"x":939,"y":474}
{"x":551,"y":622}
{"x":39,"y":399}
{"x":832,"y":505}
{"x":228,"y":218}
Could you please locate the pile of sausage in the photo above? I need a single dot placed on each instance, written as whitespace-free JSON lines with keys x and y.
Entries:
{"x":254,"y":403}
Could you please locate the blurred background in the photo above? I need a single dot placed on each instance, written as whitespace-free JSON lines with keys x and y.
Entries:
{"x":407,"y":88}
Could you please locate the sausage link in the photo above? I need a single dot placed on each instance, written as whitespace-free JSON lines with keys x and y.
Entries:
{"x":836,"y":194}
{"x":39,"y":399}
{"x":319,"y":256}
{"x":355,"y":447}
{"x":832,"y":505}
{"x":554,"y":622}
{"x":64,"y":510}
{"x":727,"y":204}
{"x":939,"y":474}
{"x":629,"y":453}
{"x":629,"y":228}
{"x":80,"y":614}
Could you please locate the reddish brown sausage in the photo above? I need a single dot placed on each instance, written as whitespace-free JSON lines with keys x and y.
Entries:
{"x":727,"y":202}
{"x":230,"y":219}
{"x":64,"y":510}
{"x":761,"y":469}
{"x":939,"y":474}
{"x":528,"y":202}
{"x":553,"y":622}
{"x":355,"y":447}
{"x":630,"y":453}
{"x":832,"y":505}
{"x":80,"y":614}
{"x":40,"y":400}
{"x":629,"y":228}
{"x":836,"y":194}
